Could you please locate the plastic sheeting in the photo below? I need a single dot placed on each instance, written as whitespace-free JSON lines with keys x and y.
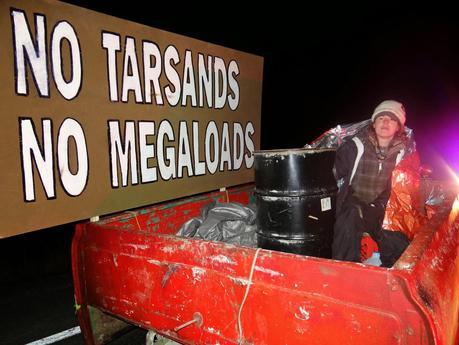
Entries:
{"x":404,"y":210}
{"x":226,"y":222}
{"x":438,"y":195}
{"x":335,"y":136}
{"x":414,"y":199}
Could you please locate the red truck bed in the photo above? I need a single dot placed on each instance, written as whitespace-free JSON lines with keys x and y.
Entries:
{"x":132,"y":267}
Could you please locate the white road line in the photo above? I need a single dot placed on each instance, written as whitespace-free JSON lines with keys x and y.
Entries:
{"x":57,"y":337}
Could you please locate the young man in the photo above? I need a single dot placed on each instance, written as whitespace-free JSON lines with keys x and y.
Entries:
{"x":363,"y":169}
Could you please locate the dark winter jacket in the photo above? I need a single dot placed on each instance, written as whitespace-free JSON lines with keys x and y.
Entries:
{"x":349,"y":160}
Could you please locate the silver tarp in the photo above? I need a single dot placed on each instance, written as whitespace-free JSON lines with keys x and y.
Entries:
{"x":226,"y":222}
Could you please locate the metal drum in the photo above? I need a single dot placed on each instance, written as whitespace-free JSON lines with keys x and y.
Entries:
{"x":295,"y":192}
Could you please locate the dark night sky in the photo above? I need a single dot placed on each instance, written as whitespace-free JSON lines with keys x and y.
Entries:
{"x":332,"y":65}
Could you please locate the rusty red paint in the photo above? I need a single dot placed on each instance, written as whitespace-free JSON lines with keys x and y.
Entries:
{"x":132,"y":267}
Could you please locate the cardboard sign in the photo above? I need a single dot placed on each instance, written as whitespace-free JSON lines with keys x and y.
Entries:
{"x":101,"y":114}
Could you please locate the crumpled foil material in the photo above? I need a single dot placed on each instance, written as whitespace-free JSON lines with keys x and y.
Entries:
{"x":413,"y":199}
{"x":404,"y":210}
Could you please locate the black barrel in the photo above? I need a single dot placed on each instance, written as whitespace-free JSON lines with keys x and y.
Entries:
{"x":295,"y":192}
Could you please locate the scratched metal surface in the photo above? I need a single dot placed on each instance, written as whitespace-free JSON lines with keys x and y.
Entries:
{"x":133,"y":269}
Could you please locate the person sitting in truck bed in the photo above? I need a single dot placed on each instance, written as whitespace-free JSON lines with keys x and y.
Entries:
{"x":363,"y":168}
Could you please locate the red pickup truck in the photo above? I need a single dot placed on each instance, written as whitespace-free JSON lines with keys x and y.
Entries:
{"x":130,"y":269}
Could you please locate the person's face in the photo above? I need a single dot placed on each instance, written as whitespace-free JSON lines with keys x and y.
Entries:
{"x":386,"y":126}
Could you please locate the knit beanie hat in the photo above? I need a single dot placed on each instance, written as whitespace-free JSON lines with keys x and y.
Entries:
{"x":393,"y":107}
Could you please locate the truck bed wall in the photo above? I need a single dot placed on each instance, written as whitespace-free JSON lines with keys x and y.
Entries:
{"x":132,"y":267}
